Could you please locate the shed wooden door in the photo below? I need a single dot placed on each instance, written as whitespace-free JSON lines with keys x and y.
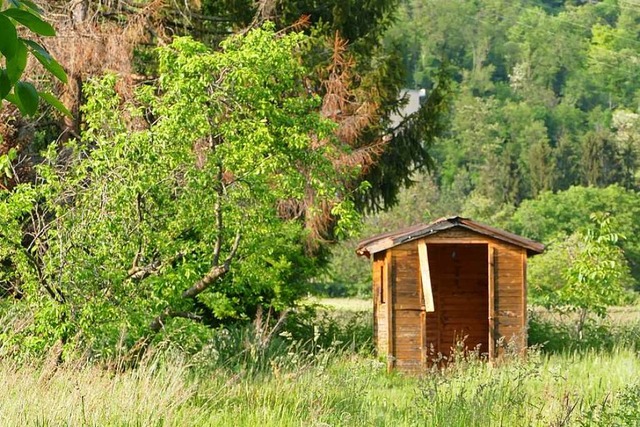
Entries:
{"x":460,"y":286}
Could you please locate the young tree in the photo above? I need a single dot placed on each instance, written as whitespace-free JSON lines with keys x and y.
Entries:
{"x":585,"y":273}
{"x":598,"y":274}
{"x":181,"y":220}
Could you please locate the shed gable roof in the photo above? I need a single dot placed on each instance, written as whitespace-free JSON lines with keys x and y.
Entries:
{"x":388,"y":240}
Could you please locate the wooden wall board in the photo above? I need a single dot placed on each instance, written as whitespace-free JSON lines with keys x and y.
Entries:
{"x":490,"y":293}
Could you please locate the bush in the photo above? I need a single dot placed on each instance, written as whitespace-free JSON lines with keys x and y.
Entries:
{"x":553,"y":215}
{"x":558,"y":335}
{"x":288,"y":341}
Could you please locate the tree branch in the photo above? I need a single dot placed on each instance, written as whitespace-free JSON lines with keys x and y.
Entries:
{"x":216,"y":272}
{"x":139,"y":273}
{"x":158,"y":323}
{"x":136,"y":258}
{"x":218,"y":214}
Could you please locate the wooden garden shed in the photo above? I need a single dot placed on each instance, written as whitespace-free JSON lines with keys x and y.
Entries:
{"x":450,"y":281}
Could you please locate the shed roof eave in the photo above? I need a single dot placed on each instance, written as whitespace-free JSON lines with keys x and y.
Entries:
{"x":388,"y":240}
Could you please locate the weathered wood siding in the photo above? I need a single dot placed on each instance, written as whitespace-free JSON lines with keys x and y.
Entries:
{"x":409,"y":335}
{"x":509,"y":293}
{"x":509,"y":297}
{"x":407,"y":308}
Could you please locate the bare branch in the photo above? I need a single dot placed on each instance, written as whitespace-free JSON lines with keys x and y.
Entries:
{"x":136,"y":258}
{"x":234,"y":249}
{"x":139,"y":273}
{"x":214,"y":274}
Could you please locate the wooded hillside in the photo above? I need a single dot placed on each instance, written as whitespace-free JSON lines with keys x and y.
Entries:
{"x":546,"y":99}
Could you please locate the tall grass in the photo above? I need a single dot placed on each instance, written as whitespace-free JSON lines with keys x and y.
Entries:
{"x":317,"y":370}
{"x":594,"y":388}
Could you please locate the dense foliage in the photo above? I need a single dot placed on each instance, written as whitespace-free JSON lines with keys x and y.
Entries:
{"x":544,"y":125}
{"x":202,"y":183}
{"x":547,"y":95}
{"x":181,"y":218}
{"x":553,"y":217}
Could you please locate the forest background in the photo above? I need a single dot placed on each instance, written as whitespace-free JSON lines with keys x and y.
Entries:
{"x":120,"y":229}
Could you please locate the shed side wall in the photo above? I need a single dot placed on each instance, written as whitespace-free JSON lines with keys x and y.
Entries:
{"x":509,"y":297}
{"x":408,"y":308}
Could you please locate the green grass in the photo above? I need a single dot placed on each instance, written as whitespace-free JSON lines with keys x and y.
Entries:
{"x":314,"y":384}
{"x":615,"y":315}
{"x":577,"y":389}
{"x":347,"y":304}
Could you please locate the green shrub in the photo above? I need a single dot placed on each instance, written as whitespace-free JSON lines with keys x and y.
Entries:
{"x":559,"y":335}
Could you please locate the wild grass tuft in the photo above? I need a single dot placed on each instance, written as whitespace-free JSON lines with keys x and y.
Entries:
{"x":558,"y":334}
{"x":322,"y":373}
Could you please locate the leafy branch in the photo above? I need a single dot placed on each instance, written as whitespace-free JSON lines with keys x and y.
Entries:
{"x":16,"y":49}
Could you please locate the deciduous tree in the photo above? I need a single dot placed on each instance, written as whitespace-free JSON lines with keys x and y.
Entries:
{"x":138,"y":232}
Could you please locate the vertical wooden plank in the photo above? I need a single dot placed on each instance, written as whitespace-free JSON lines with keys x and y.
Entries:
{"x":524,"y":299}
{"x":439,"y":321}
{"x":426,"y":276}
{"x":423,"y":338}
{"x":377,"y":284}
{"x":492,"y":302}
{"x":389,"y":286}
{"x":379,"y":308}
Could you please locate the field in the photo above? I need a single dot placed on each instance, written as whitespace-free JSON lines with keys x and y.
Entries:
{"x":339,"y":384}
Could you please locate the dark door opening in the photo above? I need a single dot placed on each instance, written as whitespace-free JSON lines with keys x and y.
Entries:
{"x":460,"y":286}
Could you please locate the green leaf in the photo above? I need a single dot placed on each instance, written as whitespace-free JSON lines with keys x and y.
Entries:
{"x":55,"y":103}
{"x":28,"y":97}
{"x":31,"y":21}
{"x":5,"y":84}
{"x":8,"y":37}
{"x":46,"y":60}
{"x":36,"y":48}
{"x":31,"y":5}
{"x":12,"y":98}
{"x":17,"y":64}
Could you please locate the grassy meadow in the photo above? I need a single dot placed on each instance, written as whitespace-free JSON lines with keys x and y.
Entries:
{"x":332,"y":379}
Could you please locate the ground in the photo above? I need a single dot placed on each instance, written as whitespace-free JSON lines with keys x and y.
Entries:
{"x":335,"y":386}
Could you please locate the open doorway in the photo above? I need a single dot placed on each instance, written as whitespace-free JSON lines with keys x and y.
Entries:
{"x":460,"y":286}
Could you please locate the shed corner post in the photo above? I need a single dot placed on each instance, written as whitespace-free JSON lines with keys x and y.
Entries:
{"x":525,"y":314}
{"x":388,"y":283}
{"x":492,"y":302}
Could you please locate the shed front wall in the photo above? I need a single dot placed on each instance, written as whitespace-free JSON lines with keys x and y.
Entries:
{"x":380,"y":309}
{"x":400,"y":318}
{"x":460,"y":279}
